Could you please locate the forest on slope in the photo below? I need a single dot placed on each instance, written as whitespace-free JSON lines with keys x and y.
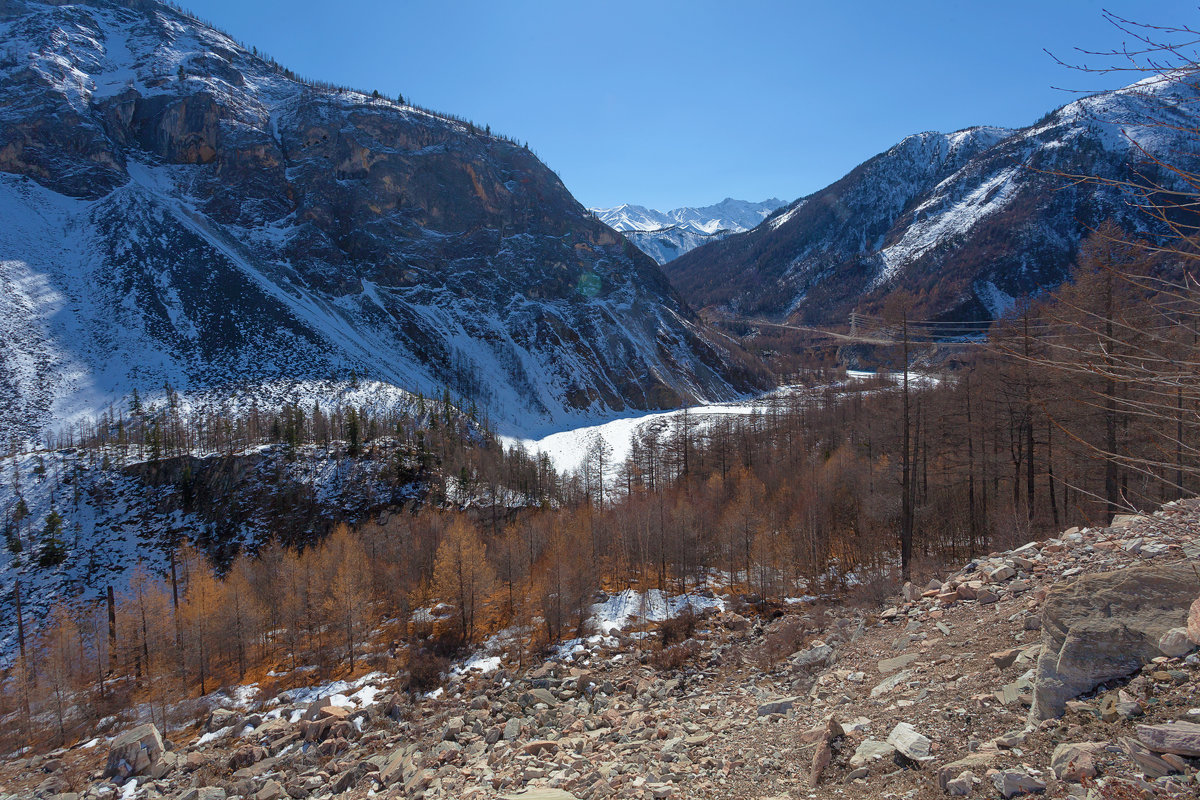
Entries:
{"x":1070,"y":409}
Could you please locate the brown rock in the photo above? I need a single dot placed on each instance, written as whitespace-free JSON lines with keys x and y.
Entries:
{"x":1074,"y":762}
{"x":1003,"y":659}
{"x":1150,"y":764}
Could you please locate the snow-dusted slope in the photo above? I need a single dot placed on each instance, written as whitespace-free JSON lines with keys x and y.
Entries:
{"x":176,"y":209}
{"x":667,"y":235}
{"x":967,"y":221}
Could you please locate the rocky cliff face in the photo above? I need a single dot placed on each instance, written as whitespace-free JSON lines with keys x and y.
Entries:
{"x":967,"y":221}
{"x":180,"y":210}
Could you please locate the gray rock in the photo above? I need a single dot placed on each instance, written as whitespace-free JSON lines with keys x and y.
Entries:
{"x":909,"y":743}
{"x":134,"y":752}
{"x":899,"y":662}
{"x":781,"y":706}
{"x":1012,"y":782}
{"x":871,"y":750}
{"x":961,"y":786}
{"x":1106,"y":626}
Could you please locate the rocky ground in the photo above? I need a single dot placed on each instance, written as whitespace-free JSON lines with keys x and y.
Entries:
{"x":952,"y":689}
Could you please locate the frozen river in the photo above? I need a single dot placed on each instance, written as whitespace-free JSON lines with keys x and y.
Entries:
{"x":566,"y":449}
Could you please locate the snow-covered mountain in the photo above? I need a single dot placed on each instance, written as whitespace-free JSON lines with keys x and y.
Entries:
{"x":179,"y":210}
{"x":967,"y":221}
{"x":666,"y":235}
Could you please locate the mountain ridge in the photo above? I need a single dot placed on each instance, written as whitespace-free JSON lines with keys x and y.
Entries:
{"x":969,"y":221}
{"x":664,"y":235}
{"x":228,"y":225}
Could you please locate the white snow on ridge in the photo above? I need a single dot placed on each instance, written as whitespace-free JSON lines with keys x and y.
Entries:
{"x":666,"y":235}
{"x":946,"y":219}
{"x":727,"y":215}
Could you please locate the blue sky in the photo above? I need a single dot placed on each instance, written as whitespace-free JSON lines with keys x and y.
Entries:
{"x":684,"y":103}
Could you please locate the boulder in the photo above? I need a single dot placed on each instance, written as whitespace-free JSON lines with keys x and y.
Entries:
{"x":1151,"y":765}
{"x":975,"y":761}
{"x":1074,"y":762}
{"x":871,"y":750}
{"x":134,"y":752}
{"x":1106,"y":626}
{"x":781,"y":706}
{"x":962,"y":785}
{"x":1176,"y":643}
{"x":909,"y":743}
{"x":1180,"y":738}
{"x":899,"y":662}
{"x":1012,"y":782}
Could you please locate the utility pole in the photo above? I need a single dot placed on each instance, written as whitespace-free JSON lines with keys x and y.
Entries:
{"x":906,"y":509}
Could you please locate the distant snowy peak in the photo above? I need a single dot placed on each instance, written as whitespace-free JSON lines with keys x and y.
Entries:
{"x":666,"y":235}
{"x":733,"y":216}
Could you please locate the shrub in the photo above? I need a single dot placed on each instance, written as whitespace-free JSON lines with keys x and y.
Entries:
{"x":676,"y":656}
{"x":425,"y":670}
{"x":677,"y":629}
{"x":784,"y":638}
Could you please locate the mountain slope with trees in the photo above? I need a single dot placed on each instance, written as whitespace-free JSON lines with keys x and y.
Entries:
{"x":179,"y":209}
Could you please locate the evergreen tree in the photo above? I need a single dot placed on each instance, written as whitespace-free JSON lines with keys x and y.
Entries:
{"x":53,"y":551}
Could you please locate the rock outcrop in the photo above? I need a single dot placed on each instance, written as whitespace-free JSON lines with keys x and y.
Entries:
{"x":1106,"y":626}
